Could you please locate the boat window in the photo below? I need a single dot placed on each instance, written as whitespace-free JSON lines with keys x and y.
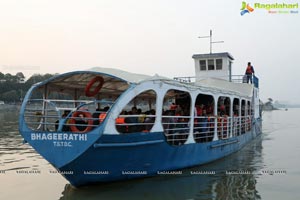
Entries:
{"x":224,"y":119}
{"x":211,"y":64}
{"x":139,"y":114}
{"x":204,"y":120}
{"x":176,"y":116}
{"x":63,"y":105}
{"x":219,"y":64}
{"x":223,"y":106}
{"x":236,"y":117}
{"x":202,"y":65}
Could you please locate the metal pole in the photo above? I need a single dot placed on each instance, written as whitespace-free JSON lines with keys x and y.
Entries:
{"x":210,"y":40}
{"x":210,"y":37}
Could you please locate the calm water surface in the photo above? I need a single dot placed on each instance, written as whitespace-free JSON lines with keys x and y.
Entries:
{"x":267,"y":168}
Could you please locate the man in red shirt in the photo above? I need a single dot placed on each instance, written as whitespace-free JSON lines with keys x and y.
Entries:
{"x":249,"y":72}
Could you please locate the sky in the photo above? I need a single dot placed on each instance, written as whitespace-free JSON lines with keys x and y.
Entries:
{"x":150,"y":37}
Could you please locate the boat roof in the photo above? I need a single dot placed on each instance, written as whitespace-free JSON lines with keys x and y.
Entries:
{"x":127,"y":76}
{"x":242,"y":89}
{"x":118,"y":80}
{"x":213,"y":55}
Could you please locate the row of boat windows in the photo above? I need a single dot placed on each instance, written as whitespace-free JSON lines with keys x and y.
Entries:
{"x":176,"y":117}
{"x":139,"y":115}
{"x":211,"y":64}
{"x":178,"y":103}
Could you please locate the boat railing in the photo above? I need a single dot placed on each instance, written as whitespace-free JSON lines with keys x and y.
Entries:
{"x":55,"y":115}
{"x":204,"y":128}
{"x":176,"y":128}
{"x":241,"y":125}
{"x":224,"y":127}
{"x":243,"y":79}
{"x":135,"y":123}
{"x":233,"y":78}
{"x":246,"y":123}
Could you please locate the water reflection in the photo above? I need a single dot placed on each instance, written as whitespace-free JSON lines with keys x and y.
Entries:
{"x":14,"y":155}
{"x":224,"y":184}
{"x":12,"y":150}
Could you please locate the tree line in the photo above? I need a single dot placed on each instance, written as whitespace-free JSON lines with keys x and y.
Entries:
{"x":13,"y":88}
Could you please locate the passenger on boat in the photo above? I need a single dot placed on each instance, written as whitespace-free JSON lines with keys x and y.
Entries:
{"x":120,"y":123}
{"x":149,"y":121}
{"x":198,"y":116}
{"x":211,"y":125}
{"x":199,"y":109}
{"x":225,"y":126}
{"x":65,"y":127}
{"x":222,"y":109}
{"x":249,"y":72}
{"x":173,"y":106}
{"x":96,"y":117}
{"x":168,"y":122}
{"x":210,"y":108}
{"x":132,"y":121}
{"x":81,"y":122}
{"x":141,"y":117}
{"x":102,"y":115}
{"x":179,"y":120}
{"x":204,"y":127}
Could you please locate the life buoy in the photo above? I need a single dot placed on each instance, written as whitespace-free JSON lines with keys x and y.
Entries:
{"x":75,"y":115}
{"x":88,"y":91}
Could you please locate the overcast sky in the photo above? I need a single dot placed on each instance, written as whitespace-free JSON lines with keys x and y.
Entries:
{"x":149,"y":37}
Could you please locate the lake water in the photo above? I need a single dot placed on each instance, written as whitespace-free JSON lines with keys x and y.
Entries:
{"x":267,"y":168}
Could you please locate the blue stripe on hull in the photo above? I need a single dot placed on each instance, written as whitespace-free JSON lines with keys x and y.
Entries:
{"x":120,"y":160}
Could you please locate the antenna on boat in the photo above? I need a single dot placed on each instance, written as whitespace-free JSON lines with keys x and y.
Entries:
{"x":211,"y":42}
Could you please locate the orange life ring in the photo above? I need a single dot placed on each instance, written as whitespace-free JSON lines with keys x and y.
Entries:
{"x":72,"y":121}
{"x":88,"y":91}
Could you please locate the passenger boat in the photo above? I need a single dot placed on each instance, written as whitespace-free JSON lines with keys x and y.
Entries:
{"x":106,"y":124}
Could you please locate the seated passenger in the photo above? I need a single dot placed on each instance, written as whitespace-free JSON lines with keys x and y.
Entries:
{"x":120,"y":123}
{"x":132,"y":120}
{"x":173,"y":106}
{"x":65,"y":127}
{"x":81,"y":122}
{"x":96,"y":117}
{"x":150,"y":120}
{"x":102,"y":115}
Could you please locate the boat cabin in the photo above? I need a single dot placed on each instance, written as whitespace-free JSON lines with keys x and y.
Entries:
{"x":214,"y":65}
